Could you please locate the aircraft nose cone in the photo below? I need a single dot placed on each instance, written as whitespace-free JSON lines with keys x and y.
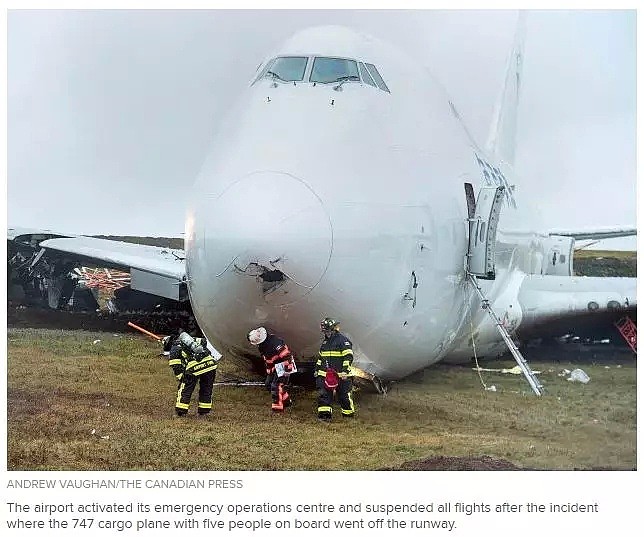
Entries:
{"x":269,"y":233}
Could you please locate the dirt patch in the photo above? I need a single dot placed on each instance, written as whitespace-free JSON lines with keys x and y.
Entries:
{"x":458,"y":463}
{"x":23,"y":403}
{"x":483,"y":462}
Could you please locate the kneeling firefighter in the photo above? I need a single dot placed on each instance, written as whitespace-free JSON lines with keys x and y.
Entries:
{"x":192,"y":363}
{"x":279,"y":363}
{"x":333,"y":371}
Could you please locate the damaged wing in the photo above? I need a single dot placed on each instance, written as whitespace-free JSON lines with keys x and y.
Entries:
{"x":43,"y":266}
{"x":154,"y":270}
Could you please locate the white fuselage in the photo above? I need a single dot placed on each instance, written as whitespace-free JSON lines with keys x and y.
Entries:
{"x":356,"y":196}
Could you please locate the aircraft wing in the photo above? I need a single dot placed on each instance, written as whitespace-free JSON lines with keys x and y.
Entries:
{"x":600,"y":233}
{"x":117,"y":254}
{"x":556,"y":305}
{"x":155,"y":270}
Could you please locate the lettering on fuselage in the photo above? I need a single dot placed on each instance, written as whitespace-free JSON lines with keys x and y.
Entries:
{"x":494,"y":177}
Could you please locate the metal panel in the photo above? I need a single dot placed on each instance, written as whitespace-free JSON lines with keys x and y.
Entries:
{"x":156,"y":284}
{"x":557,"y":260}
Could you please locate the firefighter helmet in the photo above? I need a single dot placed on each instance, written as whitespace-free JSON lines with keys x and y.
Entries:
{"x":328,"y":324}
{"x":257,"y":336}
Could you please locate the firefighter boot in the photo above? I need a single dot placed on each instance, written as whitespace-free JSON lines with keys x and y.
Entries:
{"x":324,"y":413}
{"x":287,"y":400}
{"x":278,"y":404}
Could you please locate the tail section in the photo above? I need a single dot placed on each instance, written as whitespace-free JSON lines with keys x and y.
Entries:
{"x":501,"y":142}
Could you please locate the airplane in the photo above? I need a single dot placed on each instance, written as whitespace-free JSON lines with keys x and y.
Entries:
{"x":345,"y":183}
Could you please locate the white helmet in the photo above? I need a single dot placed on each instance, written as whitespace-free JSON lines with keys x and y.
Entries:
{"x":257,"y":336}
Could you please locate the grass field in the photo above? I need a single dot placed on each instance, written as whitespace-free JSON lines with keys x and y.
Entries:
{"x":605,"y":263}
{"x":605,"y":254}
{"x":78,"y":405}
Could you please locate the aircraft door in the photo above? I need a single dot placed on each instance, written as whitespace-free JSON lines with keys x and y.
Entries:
{"x":558,"y":256}
{"x":483,"y":218}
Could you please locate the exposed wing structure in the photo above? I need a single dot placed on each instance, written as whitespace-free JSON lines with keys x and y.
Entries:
{"x":154,"y":270}
{"x":43,"y":262}
{"x":600,"y":233}
{"x":555,"y":304}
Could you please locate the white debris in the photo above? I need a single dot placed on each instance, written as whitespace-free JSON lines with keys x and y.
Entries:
{"x":93,"y":431}
{"x":105,"y":437}
{"x":564,"y":373}
{"x":491,"y":388}
{"x":579,"y":375}
{"x":96,"y":341}
{"x":606,"y":367}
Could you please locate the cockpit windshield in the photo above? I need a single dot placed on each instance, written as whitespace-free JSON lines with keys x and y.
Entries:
{"x":320,"y":70}
{"x":287,"y":69}
{"x":327,"y":70}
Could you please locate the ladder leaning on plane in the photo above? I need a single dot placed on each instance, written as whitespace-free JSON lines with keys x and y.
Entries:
{"x":480,"y":262}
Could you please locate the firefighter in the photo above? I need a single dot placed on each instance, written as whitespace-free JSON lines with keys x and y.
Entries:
{"x":177,"y":358}
{"x":195,"y":364}
{"x":279,"y":363}
{"x":333,"y":371}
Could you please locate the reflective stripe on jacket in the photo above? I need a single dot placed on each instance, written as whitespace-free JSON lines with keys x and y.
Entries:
{"x":274,"y":350}
{"x":335,"y":352}
{"x":177,"y":360}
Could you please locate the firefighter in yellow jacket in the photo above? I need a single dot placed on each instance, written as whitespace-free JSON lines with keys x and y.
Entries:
{"x":192,"y":363}
{"x":333,"y":371}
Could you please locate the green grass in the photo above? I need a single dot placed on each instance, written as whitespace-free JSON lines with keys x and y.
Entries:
{"x":617,"y":254}
{"x":61,"y":386}
{"x":605,"y":263}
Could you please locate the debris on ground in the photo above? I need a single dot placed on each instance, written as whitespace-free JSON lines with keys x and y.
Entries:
{"x":579,"y":375}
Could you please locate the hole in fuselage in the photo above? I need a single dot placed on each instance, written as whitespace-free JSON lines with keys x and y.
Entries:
{"x":271,"y":279}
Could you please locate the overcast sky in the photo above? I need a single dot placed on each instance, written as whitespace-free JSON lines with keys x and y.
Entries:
{"x":111,"y":113}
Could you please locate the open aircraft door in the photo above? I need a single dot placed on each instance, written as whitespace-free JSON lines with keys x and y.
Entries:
{"x":483,"y":218}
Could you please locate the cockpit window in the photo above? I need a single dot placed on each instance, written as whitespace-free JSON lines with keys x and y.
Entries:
{"x":323,"y":71}
{"x":376,"y":76}
{"x":326,"y":70}
{"x":366,"y":77}
{"x":287,"y":69}
{"x":263,"y":71}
